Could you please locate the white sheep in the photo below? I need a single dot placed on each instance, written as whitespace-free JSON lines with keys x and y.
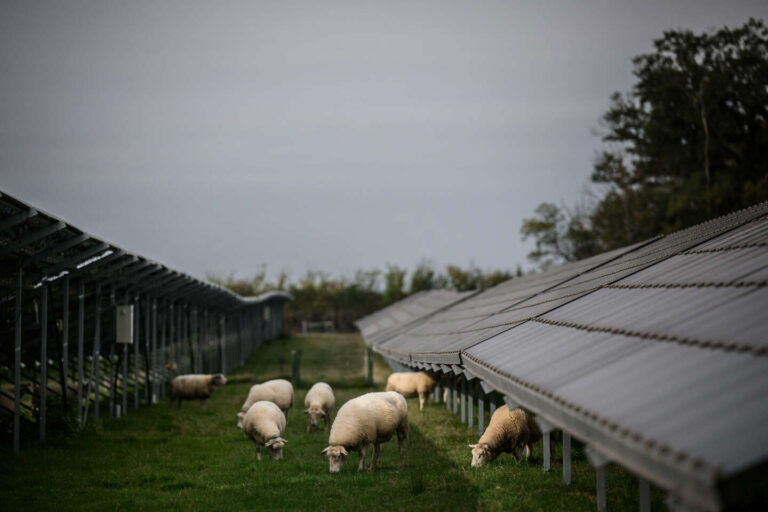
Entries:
{"x":368,"y":419}
{"x":508,"y":432}
{"x":411,"y":384}
{"x":319,"y":402}
{"x":277,"y":391}
{"x":195,"y":387}
{"x":264,"y":423}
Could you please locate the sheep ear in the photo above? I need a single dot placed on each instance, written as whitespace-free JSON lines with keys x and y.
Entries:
{"x":324,"y":451}
{"x":306,"y":411}
{"x":471,"y":445}
{"x":281,"y":439}
{"x":344,"y":451}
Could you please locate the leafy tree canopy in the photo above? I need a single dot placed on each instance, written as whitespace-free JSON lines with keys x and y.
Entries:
{"x":687,"y":143}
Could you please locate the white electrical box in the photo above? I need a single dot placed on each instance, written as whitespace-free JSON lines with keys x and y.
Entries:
{"x":124,"y":324}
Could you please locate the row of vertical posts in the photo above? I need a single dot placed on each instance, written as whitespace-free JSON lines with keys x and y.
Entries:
{"x":177,"y":337}
{"x":460,"y":394}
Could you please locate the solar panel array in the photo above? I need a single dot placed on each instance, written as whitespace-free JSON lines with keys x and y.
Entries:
{"x":656,"y":355}
{"x":59,"y":289}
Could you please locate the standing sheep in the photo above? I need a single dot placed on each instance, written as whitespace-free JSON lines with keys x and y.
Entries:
{"x":319,"y":402}
{"x":277,"y":391}
{"x":508,"y":432}
{"x":411,"y":384}
{"x":195,"y":387}
{"x":368,"y":419}
{"x":264,"y":423}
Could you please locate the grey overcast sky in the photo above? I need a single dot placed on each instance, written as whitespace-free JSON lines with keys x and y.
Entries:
{"x":334,"y":135}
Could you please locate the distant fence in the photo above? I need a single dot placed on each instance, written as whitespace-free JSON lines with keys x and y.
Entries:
{"x":60,"y":359}
{"x":324,"y":326}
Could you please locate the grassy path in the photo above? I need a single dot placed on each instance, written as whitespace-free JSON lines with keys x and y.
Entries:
{"x":196,"y":459}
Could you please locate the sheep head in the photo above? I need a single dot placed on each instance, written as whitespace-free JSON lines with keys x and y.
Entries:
{"x":337,"y":456}
{"x":275,"y":447}
{"x":481,"y":454}
{"x":314,"y":414}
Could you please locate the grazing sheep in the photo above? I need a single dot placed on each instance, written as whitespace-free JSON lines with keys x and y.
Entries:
{"x":368,"y":419}
{"x":264,"y":423}
{"x":319,"y":402}
{"x":195,"y":387}
{"x":411,"y":384}
{"x":508,"y":432}
{"x":277,"y":391}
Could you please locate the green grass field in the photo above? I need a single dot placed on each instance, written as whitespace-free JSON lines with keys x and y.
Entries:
{"x":195,"y":458}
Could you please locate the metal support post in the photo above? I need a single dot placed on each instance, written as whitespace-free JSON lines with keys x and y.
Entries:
{"x":455,"y":394}
{"x":600,"y":477}
{"x":124,"y":393}
{"x":480,"y":411}
{"x":463,"y":399}
{"x":171,"y":358}
{"x":645,"y":495}
{"x":492,"y":409}
{"x":80,"y":347}
{"x":369,"y":360}
{"x":566,"y":458}
{"x":136,"y":340}
{"x":153,"y":334}
{"x":599,"y":462}
{"x":471,"y":405}
{"x":195,"y":344}
{"x":17,"y":365}
{"x":43,"y":356}
{"x":65,"y":341}
{"x":148,"y":377}
{"x":163,"y":358}
{"x":223,"y":343}
{"x":546,"y":430}
{"x":125,"y":380}
{"x":112,"y":390}
{"x":95,"y":359}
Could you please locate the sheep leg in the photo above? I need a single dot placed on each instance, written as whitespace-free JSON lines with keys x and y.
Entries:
{"x":202,"y":402}
{"x":361,"y":464}
{"x":179,"y":402}
{"x":400,"y":448}
{"x":422,"y":396}
{"x":258,"y":452}
{"x":376,"y":449}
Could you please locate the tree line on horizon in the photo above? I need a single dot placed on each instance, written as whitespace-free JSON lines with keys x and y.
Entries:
{"x":319,"y":297}
{"x":688,"y":142}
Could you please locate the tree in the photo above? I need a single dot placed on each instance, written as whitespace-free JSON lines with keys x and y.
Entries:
{"x":687,"y":143}
{"x":561,"y":235}
{"x":394,"y":284}
{"x":690,"y":140}
{"x":423,"y":277}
